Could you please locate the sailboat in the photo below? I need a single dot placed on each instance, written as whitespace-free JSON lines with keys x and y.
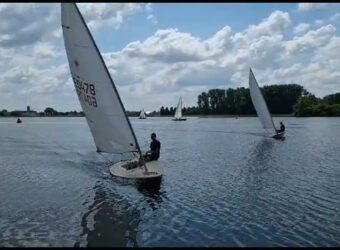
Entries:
{"x":261,"y":108}
{"x":98,"y":96}
{"x":178,"y":112}
{"x":142,"y":115}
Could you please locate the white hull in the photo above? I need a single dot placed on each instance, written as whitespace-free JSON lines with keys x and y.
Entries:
{"x":155,"y":170}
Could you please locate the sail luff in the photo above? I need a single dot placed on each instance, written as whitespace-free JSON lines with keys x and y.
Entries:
{"x":180,"y":107}
{"x":259,"y":103}
{"x":66,"y":13}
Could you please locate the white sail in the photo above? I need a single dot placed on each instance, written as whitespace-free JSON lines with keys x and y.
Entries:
{"x":98,"y":96}
{"x":142,"y":114}
{"x":178,"y":112}
{"x":260,"y":104}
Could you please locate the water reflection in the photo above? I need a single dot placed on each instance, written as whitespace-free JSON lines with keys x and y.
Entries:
{"x":151,"y":191}
{"x":257,"y":167}
{"x":109,"y":221}
{"x":259,"y":158}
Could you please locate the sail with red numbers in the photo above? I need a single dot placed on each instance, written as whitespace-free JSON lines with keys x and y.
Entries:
{"x":98,"y":96}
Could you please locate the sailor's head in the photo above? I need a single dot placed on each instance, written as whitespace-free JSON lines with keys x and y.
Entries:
{"x":281,"y":123}
{"x":153,"y":136}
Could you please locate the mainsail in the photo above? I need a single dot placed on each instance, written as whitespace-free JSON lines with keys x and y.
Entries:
{"x":178,"y":112}
{"x":98,"y":96}
{"x":260,"y":104}
{"x":142,"y":114}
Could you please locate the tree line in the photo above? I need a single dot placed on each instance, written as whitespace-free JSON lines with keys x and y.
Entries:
{"x":288,"y":99}
{"x":47,"y":112}
{"x":309,"y":105}
{"x":53,"y":112}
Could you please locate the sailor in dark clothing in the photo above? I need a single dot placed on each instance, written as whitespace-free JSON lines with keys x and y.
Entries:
{"x":282,"y":128}
{"x":155,"y":147}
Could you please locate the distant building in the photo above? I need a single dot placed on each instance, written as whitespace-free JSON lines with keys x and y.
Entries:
{"x":28,"y":112}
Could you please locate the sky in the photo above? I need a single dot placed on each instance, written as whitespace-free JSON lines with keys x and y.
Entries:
{"x":157,"y":52}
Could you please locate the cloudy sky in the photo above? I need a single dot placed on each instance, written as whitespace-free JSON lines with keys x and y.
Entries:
{"x":160,"y":51}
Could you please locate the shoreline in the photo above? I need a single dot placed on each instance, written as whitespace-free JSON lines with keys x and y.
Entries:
{"x":171,"y":116}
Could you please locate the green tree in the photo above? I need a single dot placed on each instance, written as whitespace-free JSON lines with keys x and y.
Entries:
{"x":166,"y":111}
{"x":281,"y":98}
{"x":171,"y":111}
{"x":50,"y":111}
{"x":304,"y":105}
{"x":332,"y":99}
{"x":161,"y":111}
{"x":203,"y":103}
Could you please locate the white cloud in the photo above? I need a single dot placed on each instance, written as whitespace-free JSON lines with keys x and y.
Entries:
{"x":45,"y":50}
{"x":179,"y":61}
{"x":25,"y":23}
{"x":167,"y":46}
{"x":33,"y":63}
{"x":311,"y":6}
{"x":310,"y":41}
{"x":335,"y":17}
{"x":319,"y":22}
{"x":152,"y":18}
{"x":276,"y":23}
{"x":107,"y":14}
{"x":148,"y":7}
{"x":301,"y":28}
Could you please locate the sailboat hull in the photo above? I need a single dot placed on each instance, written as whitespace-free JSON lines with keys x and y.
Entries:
{"x":279,"y":136}
{"x":120,"y":169}
{"x":179,"y":119}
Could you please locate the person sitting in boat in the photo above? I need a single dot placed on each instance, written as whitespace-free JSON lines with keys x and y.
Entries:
{"x":18,"y":120}
{"x":282,"y":128}
{"x":155,"y":147}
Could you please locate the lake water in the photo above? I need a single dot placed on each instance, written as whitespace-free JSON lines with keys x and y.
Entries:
{"x":225,"y":184}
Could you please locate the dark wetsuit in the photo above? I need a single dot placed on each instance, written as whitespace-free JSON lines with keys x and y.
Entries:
{"x":154,"y":145}
{"x":282,"y":128}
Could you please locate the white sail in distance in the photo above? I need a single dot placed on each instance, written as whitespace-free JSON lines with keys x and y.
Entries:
{"x":142,"y":114}
{"x":178,"y":112}
{"x":97,"y":94}
{"x":260,"y":104}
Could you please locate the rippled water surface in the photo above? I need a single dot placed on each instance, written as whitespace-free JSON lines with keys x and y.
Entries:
{"x":225,"y":184}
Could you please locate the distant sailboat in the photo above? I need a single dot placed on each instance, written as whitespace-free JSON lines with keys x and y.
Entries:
{"x":99,"y":99}
{"x":261,"y":107}
{"x":142,"y":115}
{"x":178,"y":112}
